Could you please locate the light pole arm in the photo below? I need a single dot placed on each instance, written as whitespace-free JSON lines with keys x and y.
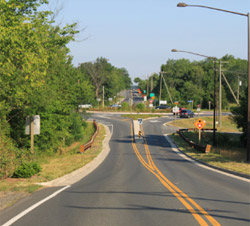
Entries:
{"x":208,"y":7}
{"x":197,"y":54}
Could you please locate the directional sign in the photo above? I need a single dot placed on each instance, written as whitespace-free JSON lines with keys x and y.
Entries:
{"x":140,"y":121}
{"x":199,"y":124}
{"x":175,"y":109}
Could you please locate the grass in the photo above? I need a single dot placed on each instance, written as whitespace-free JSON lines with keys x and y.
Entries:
{"x":228,"y":154}
{"x":227,"y":124}
{"x":55,"y":166}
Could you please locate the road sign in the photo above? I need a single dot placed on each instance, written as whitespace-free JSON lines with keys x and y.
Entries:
{"x":140,"y":121}
{"x":163,"y":102}
{"x":175,"y":109}
{"x":36,"y":123}
{"x":199,"y":124}
{"x":151,"y":94}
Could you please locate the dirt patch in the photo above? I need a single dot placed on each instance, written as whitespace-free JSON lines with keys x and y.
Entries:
{"x":9,"y":198}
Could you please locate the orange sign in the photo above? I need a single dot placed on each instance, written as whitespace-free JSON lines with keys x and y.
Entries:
{"x":82,"y":148}
{"x":199,"y":123}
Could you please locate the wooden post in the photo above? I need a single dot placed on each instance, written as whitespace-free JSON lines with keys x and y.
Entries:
{"x":199,"y":135}
{"x":32,"y":135}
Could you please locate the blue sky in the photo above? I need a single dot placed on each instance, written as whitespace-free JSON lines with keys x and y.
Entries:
{"x":139,"y":34}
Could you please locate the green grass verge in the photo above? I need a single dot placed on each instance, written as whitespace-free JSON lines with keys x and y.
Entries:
{"x":64,"y":162}
{"x":227,"y":124}
{"x":216,"y":158}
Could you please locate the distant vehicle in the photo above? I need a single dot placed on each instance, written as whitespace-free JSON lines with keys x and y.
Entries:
{"x":115,"y":106}
{"x":186,"y":114}
{"x":163,"y":107}
{"x":85,"y":106}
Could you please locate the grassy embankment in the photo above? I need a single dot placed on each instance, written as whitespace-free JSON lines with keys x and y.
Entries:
{"x":229,"y":152}
{"x":65,"y":161}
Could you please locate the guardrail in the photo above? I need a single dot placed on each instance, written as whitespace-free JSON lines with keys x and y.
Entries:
{"x":84,"y":147}
{"x":202,"y":148}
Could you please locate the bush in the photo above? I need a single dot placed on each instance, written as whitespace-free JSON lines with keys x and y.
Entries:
{"x":140,"y":106}
{"x":27,"y":169}
{"x":7,"y":157}
{"x":125,"y":106}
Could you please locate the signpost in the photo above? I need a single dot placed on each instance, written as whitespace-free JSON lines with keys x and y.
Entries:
{"x":175,"y":111}
{"x":140,"y":123}
{"x":163,"y":102}
{"x":199,"y":125}
{"x":32,"y":127}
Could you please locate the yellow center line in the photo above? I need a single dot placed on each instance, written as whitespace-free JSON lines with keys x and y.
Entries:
{"x":171,"y":187}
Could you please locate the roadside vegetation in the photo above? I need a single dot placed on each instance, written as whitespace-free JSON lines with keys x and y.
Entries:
{"x":65,"y":161}
{"x":229,"y":153}
{"x":37,"y":77}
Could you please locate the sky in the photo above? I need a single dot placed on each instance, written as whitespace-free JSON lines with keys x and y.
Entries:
{"x":139,"y":34}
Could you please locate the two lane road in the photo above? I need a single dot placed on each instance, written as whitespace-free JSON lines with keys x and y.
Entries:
{"x":145,"y":183}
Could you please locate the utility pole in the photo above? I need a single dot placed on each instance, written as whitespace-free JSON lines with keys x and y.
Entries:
{"x":160,"y":86}
{"x":220,"y":94}
{"x":152,"y":82}
{"x":147,"y":86}
{"x":220,"y":98}
{"x":168,"y":90}
{"x":238,"y":89}
{"x":102,"y":96}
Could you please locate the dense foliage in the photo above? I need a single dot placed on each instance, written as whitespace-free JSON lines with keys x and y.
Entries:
{"x":186,"y":80}
{"x":37,"y":77}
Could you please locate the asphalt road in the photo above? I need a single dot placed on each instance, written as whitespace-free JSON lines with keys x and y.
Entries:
{"x":143,"y":182}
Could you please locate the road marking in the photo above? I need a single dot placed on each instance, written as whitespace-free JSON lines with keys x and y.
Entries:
{"x":20,"y":215}
{"x":153,"y":121}
{"x":181,"y":196}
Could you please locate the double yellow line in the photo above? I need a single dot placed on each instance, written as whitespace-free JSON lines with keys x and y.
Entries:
{"x":190,"y":204}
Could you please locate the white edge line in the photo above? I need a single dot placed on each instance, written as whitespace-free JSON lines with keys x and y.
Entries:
{"x":199,"y":164}
{"x":20,"y":215}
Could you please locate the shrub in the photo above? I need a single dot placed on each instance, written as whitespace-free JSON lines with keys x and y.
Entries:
{"x":7,"y":157}
{"x":125,"y":106}
{"x":27,"y":169}
{"x":140,"y":106}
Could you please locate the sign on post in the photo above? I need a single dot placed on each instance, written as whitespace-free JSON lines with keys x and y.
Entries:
{"x":36,"y":125}
{"x":163,"y":102}
{"x":199,"y":124}
{"x":175,"y":109}
{"x":32,"y":127}
{"x":140,"y":121}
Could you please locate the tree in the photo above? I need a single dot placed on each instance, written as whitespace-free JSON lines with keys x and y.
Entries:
{"x":240,"y":116}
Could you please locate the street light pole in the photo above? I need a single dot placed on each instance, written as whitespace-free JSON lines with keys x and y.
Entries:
{"x":214,"y":59}
{"x":248,"y":58}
